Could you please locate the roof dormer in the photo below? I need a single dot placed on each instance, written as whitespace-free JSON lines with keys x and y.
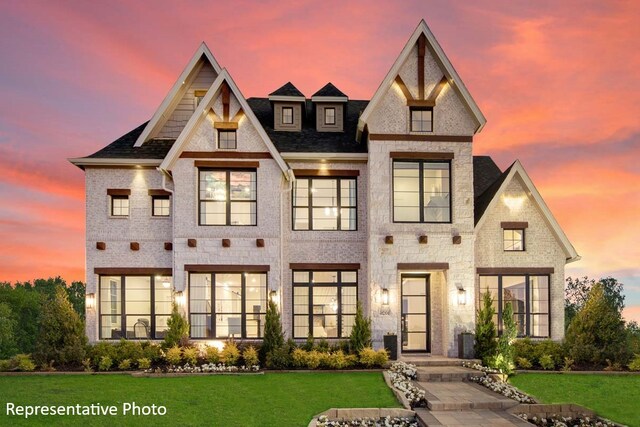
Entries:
{"x":288,"y":108}
{"x":330,"y":107}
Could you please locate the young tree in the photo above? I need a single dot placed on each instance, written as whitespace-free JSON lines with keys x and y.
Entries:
{"x":178,"y":332}
{"x":505,"y":356}
{"x":61,"y":338}
{"x":273,"y":336}
{"x":486,"y":334}
{"x":361,"y":332}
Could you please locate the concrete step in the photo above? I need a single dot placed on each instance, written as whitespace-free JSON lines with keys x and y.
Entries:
{"x":445,"y":373}
{"x":436,"y":360}
{"x":460,"y":396}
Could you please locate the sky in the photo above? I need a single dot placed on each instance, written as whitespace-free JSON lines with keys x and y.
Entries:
{"x":557,"y":81}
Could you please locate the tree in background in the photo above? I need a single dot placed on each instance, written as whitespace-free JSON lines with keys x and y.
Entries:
{"x":361,"y":332}
{"x":486,"y":333}
{"x":8,"y":324}
{"x":273,"y":336}
{"x":61,"y":337}
{"x":576,"y":293}
{"x":25,"y":305}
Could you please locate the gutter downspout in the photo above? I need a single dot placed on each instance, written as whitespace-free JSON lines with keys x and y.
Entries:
{"x":291,"y":179}
{"x":165,"y":173}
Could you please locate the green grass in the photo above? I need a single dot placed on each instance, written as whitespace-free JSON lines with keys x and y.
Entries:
{"x":611,"y":396}
{"x":276,"y":399}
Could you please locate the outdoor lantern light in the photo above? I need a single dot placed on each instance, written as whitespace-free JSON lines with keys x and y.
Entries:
{"x":385,"y":296}
{"x":179,"y":298}
{"x":462,"y":295}
{"x":91,"y":301}
{"x":272,"y":295}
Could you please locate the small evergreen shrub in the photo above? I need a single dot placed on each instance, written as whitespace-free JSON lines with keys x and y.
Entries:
{"x":361,"y":332}
{"x":635,"y":363}
{"x":124,"y":365}
{"x":178,"y":332}
{"x":174,"y":355}
{"x":323,"y":346}
{"x":273,"y":336}
{"x":144,"y":363}
{"x":504,"y":358}
{"x":250,"y":356}
{"x":5,"y":365}
{"x":100,"y":350}
{"x":523,"y":363}
{"x":86,"y":364}
{"x":279,"y":358}
{"x":230,"y":354}
{"x":151,"y":351}
{"x":568,"y":364}
{"x":368,"y":357}
{"x":337,"y":360}
{"x":486,"y":345}
{"x":105,"y":363}
{"x":22,"y":363}
{"x":313,"y":359}
{"x":308,"y":345}
{"x":212,"y":355}
{"x":613,"y":366}
{"x":547,"y":363}
{"x":299,"y":358}
{"x":190,"y":355}
{"x":128,"y":349}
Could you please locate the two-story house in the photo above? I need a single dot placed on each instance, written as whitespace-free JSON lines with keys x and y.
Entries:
{"x":220,"y":202}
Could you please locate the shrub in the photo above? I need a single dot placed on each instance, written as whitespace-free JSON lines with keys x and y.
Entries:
{"x":127,"y":349}
{"x":230,"y":354}
{"x":273,"y":336}
{"x":337,"y":360}
{"x":299,"y":358}
{"x":568,"y":364}
{"x":486,"y":345}
{"x":5,"y":365}
{"x":368,"y":357}
{"x":8,"y":325}
{"x":144,"y":363}
{"x":382,"y":357}
{"x":635,"y":363}
{"x":99,"y":350}
{"x":552,"y":348}
{"x":86,"y":364}
{"x":22,"y":363}
{"x":61,"y":337}
{"x":178,"y":332}
{"x":313,"y":359}
{"x":325,"y":360}
{"x":524,"y":347}
{"x":351,"y":360}
{"x":361,"y":332}
{"x":190,"y":355}
{"x":125,"y":365}
{"x":151,"y":351}
{"x":323,"y":346}
{"x":523,"y":363}
{"x":613,"y":366}
{"x":250,"y":356}
{"x":105,"y":363}
{"x":279,"y":358}
{"x":212,"y":355}
{"x":174,"y":355}
{"x":504,"y":359}
{"x":546,"y":362}
{"x":308,"y":345}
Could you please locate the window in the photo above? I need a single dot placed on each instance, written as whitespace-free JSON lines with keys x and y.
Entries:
{"x":287,"y":115}
{"x":228,"y":197}
{"x":119,"y":205}
{"x":421,"y":119}
{"x":134,"y":307}
{"x":324,"y":303}
{"x":330,"y":116}
{"x":227,"y":305}
{"x":325,"y":204}
{"x":421,"y":191}
{"x":161,"y":206}
{"x":227,"y":139}
{"x":198,"y":95}
{"x":529,"y":297}
{"x":513,"y":239}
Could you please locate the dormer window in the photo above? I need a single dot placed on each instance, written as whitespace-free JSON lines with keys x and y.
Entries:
{"x":330,"y":116}
{"x":227,"y":139}
{"x":287,"y":115}
{"x":421,"y":119}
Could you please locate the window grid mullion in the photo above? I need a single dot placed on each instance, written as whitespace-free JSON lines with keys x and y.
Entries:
{"x":213,"y":332}
{"x":339,"y":204}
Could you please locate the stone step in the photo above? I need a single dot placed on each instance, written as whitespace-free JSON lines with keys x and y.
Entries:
{"x":460,"y":396}
{"x":436,"y":361}
{"x":444,"y":373}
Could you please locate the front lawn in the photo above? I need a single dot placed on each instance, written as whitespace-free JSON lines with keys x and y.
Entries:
{"x":612,"y":396}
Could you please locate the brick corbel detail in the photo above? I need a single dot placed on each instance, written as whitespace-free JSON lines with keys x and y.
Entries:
{"x":168,"y":246}
{"x":134,"y":246}
{"x":388,"y":240}
{"x":423,"y":240}
{"x":260,"y":243}
{"x":226,"y":243}
{"x":457,"y":240}
{"x":101,"y":246}
{"x":192,"y":243}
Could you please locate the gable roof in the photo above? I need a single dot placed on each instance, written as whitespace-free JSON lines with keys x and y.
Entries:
{"x":205,"y":105}
{"x":177,"y":91}
{"x":492,"y":194}
{"x":487,"y":179}
{"x":309,"y":139}
{"x":287,"y":89}
{"x":329,"y":90}
{"x":445,"y":65}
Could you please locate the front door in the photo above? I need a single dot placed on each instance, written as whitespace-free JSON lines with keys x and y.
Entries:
{"x":415,"y":313}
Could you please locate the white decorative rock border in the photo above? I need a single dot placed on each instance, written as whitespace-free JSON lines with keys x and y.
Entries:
{"x":339,"y":417}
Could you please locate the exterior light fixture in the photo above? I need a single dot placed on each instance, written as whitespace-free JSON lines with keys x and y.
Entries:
{"x":179,"y":298}
{"x":272,"y":295}
{"x":385,"y":296}
{"x":90,"y":301}
{"x":462,"y":295}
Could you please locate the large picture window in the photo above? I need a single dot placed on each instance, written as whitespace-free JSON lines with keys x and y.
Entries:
{"x":134,"y":307}
{"x":228,"y":197}
{"x":227,"y":305}
{"x":421,"y":191}
{"x":324,"y":303}
{"x":529,"y":297}
{"x":325,"y":204}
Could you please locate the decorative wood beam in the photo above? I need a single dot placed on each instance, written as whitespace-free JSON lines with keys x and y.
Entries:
{"x":192,"y":243}
{"x":159,"y":193}
{"x":404,"y":137}
{"x":420,"y":155}
{"x":238,"y":116}
{"x":168,"y":246}
{"x":423,"y":266}
{"x":515,"y":270}
{"x":225,"y":155}
{"x":318,"y":266}
{"x":326,"y":172}
{"x":228,"y":165}
{"x":514,"y":225}
{"x":421,"y":103}
{"x":225,"y":101}
{"x":118,"y":192}
{"x":404,"y":88}
{"x":421,"y":52}
{"x":226,"y":268}
{"x":226,"y":125}
{"x":132,"y":270}
{"x":437,"y":89}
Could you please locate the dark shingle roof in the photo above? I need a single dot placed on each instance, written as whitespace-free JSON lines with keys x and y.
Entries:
{"x":122,"y":148}
{"x":487,"y":180}
{"x":309,"y":140}
{"x":329,"y":90}
{"x":288,"y":89}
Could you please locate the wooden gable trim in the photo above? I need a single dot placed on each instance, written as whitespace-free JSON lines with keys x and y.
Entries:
{"x":226,"y":125}
{"x":226,"y":165}
{"x":226,"y":268}
{"x":404,"y":88}
{"x":118,"y":192}
{"x":420,"y":155}
{"x":404,"y":137}
{"x":421,"y":103}
{"x":226,"y":96}
{"x":514,"y":225}
{"x":238,"y":116}
{"x":159,"y":193}
{"x":422,"y":41}
{"x":435,"y":92}
{"x":225,"y":155}
{"x":326,"y":172}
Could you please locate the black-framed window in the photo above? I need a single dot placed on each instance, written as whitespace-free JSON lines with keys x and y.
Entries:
{"x":228,"y":197}
{"x":529,"y":296}
{"x":134,"y":307}
{"x":329,"y":116}
{"x":513,"y":239}
{"x":421,"y":191}
{"x":324,"y":303}
{"x":227,"y":139}
{"x":287,"y":115}
{"x":227,"y":305}
{"x":119,"y":205}
{"x":160,"y":206}
{"x":325,"y":204}
{"x":421,"y":119}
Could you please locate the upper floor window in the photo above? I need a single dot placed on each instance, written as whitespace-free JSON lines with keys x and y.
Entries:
{"x":227,"y":305}
{"x":287,"y":115}
{"x":228,"y":197}
{"x":421,"y":191}
{"x":160,"y":205}
{"x":329,"y":116}
{"x":421,"y":119}
{"x":227,"y":139}
{"x":119,"y":205}
{"x":324,"y":303}
{"x":325,"y":204}
{"x":513,"y":239}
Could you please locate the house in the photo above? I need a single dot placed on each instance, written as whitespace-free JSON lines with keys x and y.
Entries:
{"x":221,"y":202}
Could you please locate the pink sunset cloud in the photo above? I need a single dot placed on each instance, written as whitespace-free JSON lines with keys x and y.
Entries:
{"x":556,"y":80}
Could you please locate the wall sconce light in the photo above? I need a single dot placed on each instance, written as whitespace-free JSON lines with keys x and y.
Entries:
{"x":462,"y":295}
{"x":272,"y":295}
{"x":385,"y":296}
{"x":179,"y":298}
{"x":90,"y":301}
